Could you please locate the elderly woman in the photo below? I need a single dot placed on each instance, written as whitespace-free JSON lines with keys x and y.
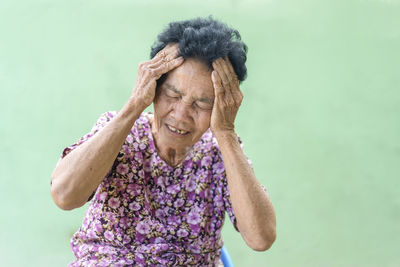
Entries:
{"x":160,"y":183}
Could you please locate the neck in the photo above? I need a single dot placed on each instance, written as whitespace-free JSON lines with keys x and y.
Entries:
{"x":170,"y":154}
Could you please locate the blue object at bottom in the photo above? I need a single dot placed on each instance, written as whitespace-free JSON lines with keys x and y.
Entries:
{"x":226,"y":258}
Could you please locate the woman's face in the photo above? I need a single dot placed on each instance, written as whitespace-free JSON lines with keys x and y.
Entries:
{"x":183,"y":105}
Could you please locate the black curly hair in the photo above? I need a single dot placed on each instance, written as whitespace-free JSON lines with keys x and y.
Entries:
{"x":206,"y":39}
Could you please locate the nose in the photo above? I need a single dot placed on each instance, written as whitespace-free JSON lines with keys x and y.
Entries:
{"x":182,"y":111}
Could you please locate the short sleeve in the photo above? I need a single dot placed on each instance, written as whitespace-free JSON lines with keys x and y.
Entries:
{"x":100,"y":123}
{"x":226,"y":194}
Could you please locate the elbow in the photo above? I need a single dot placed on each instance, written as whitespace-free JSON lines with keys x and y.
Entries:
{"x":265,"y":242}
{"x":64,"y":206}
{"x":262,"y":241}
{"x":60,"y":198}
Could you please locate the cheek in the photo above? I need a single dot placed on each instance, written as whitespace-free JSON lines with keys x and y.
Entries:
{"x":204,"y":119}
{"x":162,"y":106}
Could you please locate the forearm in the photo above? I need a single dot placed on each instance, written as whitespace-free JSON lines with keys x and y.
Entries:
{"x":78,"y":174}
{"x":252,"y":207}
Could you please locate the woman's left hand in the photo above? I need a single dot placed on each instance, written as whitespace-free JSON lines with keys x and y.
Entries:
{"x":228,"y":97}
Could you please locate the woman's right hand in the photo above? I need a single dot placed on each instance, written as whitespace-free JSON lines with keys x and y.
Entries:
{"x":78,"y":174}
{"x":150,"y":71}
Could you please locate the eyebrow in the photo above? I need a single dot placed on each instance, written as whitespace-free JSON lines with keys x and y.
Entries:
{"x":170,"y":87}
{"x":201,"y":99}
{"x":206,"y":100}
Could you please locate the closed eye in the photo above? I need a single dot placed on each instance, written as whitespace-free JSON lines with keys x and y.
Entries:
{"x":172,"y":94}
{"x":204,"y":105}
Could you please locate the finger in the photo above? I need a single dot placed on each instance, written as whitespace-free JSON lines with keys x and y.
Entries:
{"x":237,"y":95}
{"x":168,"y":66}
{"x":236,"y":92}
{"x":229,"y":71}
{"x":158,"y":62}
{"x":227,"y":82}
{"x":172,"y":49}
{"x":219,"y":71}
{"x":168,"y":53}
{"x":222,"y":95}
{"x":223,"y":71}
{"x":218,"y":88}
{"x":228,"y":96}
{"x":230,"y":67}
{"x":230,"y":74}
{"x":162,"y":58}
{"x":226,"y":70}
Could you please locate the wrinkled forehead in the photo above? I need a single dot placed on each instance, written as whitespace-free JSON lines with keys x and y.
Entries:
{"x":193,"y":77}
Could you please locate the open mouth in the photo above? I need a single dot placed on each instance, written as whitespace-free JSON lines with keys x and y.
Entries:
{"x":175,"y":130}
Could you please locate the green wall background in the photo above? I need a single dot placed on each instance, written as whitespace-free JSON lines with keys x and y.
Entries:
{"x":320,"y":118}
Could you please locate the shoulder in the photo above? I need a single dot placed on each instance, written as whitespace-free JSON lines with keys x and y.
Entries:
{"x":142,"y":127}
{"x":140,"y":135}
{"x":107,"y":116}
{"x":207,"y":143}
{"x":209,"y":154}
{"x":103,"y":119}
{"x":140,"y":131}
{"x":143,"y":118}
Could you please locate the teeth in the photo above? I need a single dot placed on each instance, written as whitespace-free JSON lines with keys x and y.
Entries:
{"x":176,"y":130}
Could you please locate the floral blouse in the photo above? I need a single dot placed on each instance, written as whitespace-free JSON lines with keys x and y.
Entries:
{"x":147,"y":213}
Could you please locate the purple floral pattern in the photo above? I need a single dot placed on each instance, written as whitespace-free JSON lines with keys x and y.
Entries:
{"x":146,"y":213}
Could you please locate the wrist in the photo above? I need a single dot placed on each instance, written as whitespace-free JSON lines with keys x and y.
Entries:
{"x":226,"y":135}
{"x":132,"y":108}
{"x":136,"y":105}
